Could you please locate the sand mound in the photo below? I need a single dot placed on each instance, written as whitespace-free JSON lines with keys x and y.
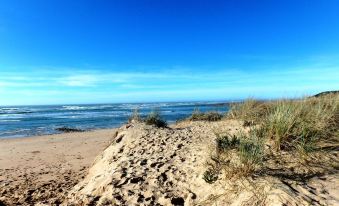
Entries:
{"x":145,"y":165}
{"x":151,"y":166}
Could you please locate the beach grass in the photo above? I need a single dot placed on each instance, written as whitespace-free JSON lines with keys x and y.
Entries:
{"x":135,"y":116}
{"x":293,"y":124}
{"x":205,"y":116}
{"x":296,"y":128}
{"x":154,"y":118}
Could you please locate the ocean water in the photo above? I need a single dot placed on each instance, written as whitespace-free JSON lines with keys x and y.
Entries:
{"x":23,"y":121}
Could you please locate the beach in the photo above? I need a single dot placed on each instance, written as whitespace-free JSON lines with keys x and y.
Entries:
{"x":44,"y":168}
{"x":140,"y":164}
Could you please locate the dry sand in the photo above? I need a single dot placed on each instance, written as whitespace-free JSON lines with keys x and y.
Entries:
{"x":45,"y":168}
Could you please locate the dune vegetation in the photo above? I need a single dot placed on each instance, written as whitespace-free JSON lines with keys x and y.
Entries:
{"x":298,"y":129}
{"x":304,"y":131}
{"x":153,"y":118}
{"x":205,"y":116}
{"x":303,"y":124}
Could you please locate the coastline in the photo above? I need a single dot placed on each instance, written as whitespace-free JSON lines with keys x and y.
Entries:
{"x":48,"y":165}
{"x":73,"y":168}
{"x":59,"y":133}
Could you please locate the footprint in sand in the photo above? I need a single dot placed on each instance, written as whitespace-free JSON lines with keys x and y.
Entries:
{"x":35,"y":152}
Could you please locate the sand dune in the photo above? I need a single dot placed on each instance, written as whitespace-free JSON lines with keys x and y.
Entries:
{"x":151,"y":166}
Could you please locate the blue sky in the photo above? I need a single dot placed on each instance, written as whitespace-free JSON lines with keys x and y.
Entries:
{"x":59,"y":52}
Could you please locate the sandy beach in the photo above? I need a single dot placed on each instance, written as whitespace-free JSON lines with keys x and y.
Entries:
{"x":44,"y":168}
{"x":140,"y":164}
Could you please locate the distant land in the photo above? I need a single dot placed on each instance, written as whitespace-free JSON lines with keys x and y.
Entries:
{"x":326,"y":93}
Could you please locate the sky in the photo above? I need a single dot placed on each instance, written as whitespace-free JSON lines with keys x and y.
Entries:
{"x":98,"y":51}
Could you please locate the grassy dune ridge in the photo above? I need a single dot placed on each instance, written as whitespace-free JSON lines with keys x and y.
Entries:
{"x":279,"y":142}
{"x":293,"y":124}
{"x":304,"y":131}
{"x":298,"y":128}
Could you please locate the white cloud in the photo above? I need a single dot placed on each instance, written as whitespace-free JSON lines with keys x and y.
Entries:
{"x":165,"y":79}
{"x":79,"y":80}
{"x":5,"y":84}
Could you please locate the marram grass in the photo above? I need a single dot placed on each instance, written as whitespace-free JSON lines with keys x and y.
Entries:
{"x":293,"y":124}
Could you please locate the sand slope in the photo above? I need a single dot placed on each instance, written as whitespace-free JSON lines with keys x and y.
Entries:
{"x":145,"y":165}
{"x":150,"y":166}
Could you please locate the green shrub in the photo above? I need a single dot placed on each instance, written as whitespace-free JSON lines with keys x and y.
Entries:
{"x":251,"y":151}
{"x":248,"y":148}
{"x":226,"y":142}
{"x":155,"y":119}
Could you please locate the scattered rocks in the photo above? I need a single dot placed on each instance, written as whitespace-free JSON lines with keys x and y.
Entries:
{"x":119,"y":138}
{"x":68,"y":129}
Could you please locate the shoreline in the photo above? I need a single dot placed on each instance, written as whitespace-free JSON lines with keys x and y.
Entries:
{"x":60,"y":133}
{"x":85,"y":131}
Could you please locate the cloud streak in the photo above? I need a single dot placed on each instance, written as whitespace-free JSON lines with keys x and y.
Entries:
{"x":164,"y":79}
{"x":79,"y":80}
{"x":176,"y":84}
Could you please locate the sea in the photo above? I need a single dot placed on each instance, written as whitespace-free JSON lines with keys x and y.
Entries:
{"x":24,"y":121}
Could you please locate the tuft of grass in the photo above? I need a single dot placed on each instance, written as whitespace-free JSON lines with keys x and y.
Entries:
{"x":251,"y":151}
{"x":251,"y":111}
{"x":282,"y":123}
{"x":227,"y":142}
{"x":205,"y":116}
{"x":240,"y":154}
{"x":135,"y":116}
{"x":155,"y":119}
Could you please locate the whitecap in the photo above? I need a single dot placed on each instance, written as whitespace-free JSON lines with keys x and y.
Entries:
{"x":73,"y":107}
{"x":10,"y":120}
